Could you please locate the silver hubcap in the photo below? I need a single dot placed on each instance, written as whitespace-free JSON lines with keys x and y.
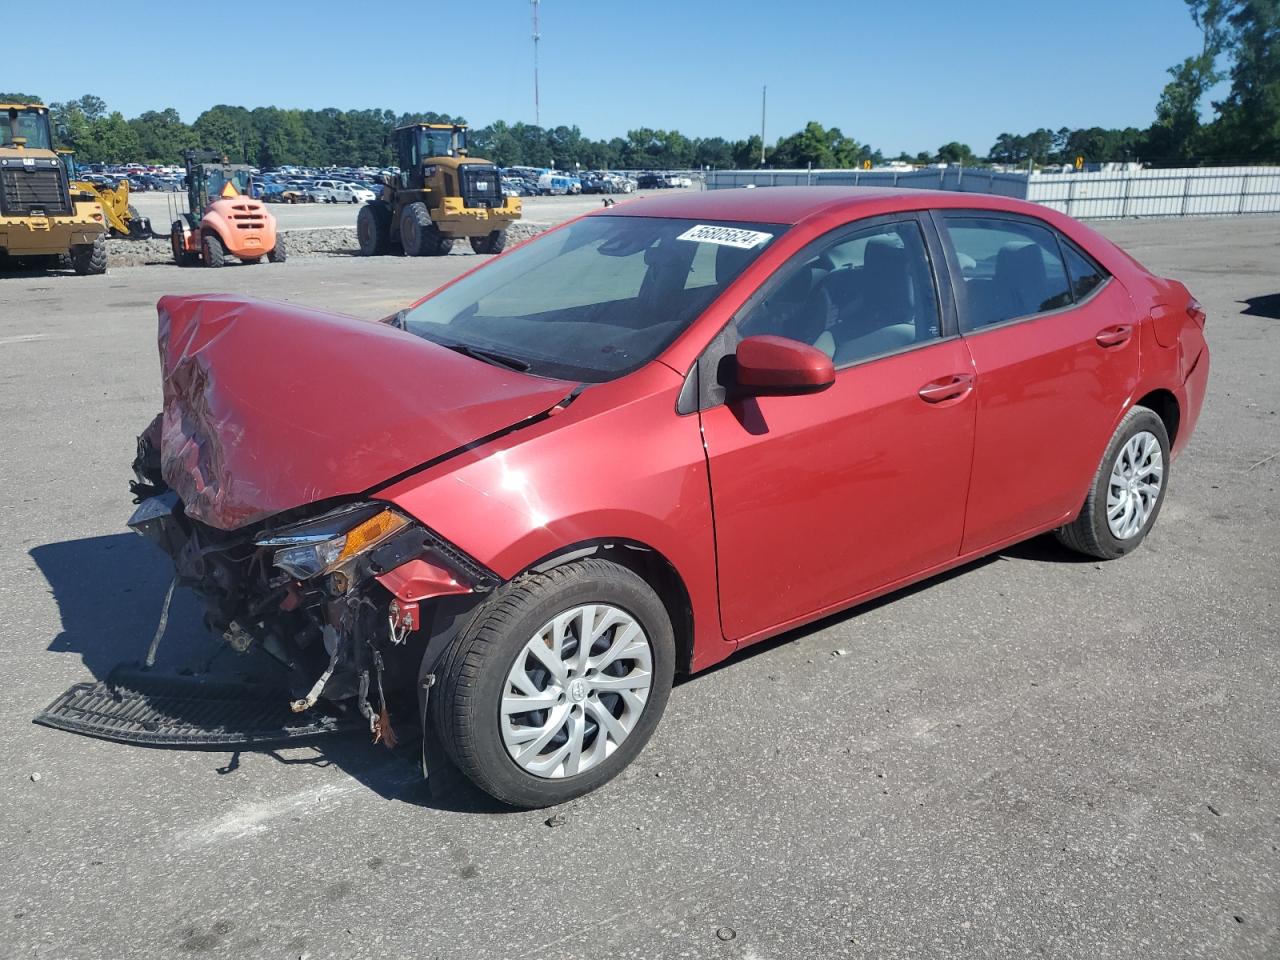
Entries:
{"x":1134,"y":488}
{"x":576,"y":691}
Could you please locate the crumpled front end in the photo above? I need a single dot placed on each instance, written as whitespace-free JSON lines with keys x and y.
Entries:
{"x":269,"y":407}
{"x":339,"y":598}
{"x":258,"y":480}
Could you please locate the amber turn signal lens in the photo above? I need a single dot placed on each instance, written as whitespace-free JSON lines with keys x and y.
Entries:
{"x":376,"y":528}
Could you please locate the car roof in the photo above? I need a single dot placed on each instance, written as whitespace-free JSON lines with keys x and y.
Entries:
{"x":791,"y":205}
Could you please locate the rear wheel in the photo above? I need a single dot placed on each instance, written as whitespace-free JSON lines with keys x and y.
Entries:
{"x":1127,"y":490}
{"x":90,"y":259}
{"x":494,"y":242}
{"x":213,"y":253}
{"x":279,"y":253}
{"x":556,"y":684}
{"x":373,"y":229}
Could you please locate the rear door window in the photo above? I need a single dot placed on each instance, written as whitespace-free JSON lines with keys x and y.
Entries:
{"x":1009,"y":269}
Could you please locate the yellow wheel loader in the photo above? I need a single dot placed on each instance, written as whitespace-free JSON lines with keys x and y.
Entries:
{"x":121,"y":217}
{"x":440,"y":195}
{"x":41,"y":220}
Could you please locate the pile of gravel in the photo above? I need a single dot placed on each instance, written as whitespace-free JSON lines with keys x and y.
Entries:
{"x":303,"y":244}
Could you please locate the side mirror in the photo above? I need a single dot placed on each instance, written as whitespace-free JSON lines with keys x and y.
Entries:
{"x":769,"y":366}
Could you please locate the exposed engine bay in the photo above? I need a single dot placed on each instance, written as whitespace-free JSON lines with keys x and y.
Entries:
{"x":331,"y":591}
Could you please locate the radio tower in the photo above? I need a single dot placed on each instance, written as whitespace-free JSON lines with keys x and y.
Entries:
{"x":537,"y":103}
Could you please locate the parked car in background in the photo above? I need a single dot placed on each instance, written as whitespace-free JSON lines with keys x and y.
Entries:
{"x":314,"y":192}
{"x":350,"y":193}
{"x":557,"y":184}
{"x":627,"y":454}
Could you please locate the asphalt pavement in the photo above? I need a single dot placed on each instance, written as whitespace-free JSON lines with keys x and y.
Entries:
{"x":1031,"y":756}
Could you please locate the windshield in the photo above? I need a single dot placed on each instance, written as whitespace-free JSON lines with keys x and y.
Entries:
{"x":32,"y":124}
{"x":217,"y":178}
{"x":440,"y":143}
{"x":594,"y":300}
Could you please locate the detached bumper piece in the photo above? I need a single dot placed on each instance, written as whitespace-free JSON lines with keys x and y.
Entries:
{"x":168,"y":711}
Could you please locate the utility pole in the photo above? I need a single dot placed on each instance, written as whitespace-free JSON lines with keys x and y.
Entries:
{"x":764,"y":94}
{"x":537,"y":103}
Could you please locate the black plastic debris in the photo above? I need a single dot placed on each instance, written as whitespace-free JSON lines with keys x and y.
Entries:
{"x":133,"y":706}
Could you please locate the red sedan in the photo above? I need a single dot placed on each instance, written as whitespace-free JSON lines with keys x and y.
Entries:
{"x":641,"y":441}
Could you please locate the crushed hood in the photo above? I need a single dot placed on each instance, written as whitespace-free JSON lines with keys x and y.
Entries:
{"x":269,"y":407}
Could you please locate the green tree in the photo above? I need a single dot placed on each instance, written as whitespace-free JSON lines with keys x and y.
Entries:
{"x":714,"y":152}
{"x":817,"y":146}
{"x":956,"y":153}
{"x":1248,"y":125}
{"x":746,"y":153}
{"x":228,"y":130}
{"x":111,"y":140}
{"x":162,"y":136}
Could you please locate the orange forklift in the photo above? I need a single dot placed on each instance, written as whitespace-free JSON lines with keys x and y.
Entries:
{"x":224,"y":221}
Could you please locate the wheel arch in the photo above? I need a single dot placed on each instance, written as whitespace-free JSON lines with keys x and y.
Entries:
{"x":648,"y":564}
{"x":1166,"y":407}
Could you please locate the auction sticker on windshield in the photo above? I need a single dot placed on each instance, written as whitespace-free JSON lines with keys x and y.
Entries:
{"x":726,"y":236}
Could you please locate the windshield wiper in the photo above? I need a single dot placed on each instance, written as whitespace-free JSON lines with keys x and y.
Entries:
{"x":488,"y":356}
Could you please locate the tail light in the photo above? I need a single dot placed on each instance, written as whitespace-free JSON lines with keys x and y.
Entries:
{"x":1196,"y":312}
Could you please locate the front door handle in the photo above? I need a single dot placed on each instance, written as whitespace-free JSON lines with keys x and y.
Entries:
{"x":1116,"y":336}
{"x":947,"y":388}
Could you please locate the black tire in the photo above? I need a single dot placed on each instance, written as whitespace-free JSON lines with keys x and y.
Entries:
{"x":212,"y":253}
{"x":419,"y":237}
{"x":180,"y":256}
{"x":417,"y":232}
{"x":90,"y":259}
{"x":280,"y":252}
{"x":1089,"y":533}
{"x":494,"y":242}
{"x":473,"y":672}
{"x":373,"y":229}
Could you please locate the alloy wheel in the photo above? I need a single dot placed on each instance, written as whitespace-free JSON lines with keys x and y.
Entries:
{"x":576,"y":691}
{"x":1134,"y":486}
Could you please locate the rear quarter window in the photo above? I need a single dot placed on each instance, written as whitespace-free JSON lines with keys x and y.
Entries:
{"x":1086,"y":275}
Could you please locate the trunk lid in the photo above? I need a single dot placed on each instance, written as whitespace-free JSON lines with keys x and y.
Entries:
{"x":269,"y":406}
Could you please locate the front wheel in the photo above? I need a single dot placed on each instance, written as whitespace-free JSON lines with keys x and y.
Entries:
{"x":90,"y":259}
{"x":494,"y":242}
{"x":557,"y":683}
{"x":1127,"y":490}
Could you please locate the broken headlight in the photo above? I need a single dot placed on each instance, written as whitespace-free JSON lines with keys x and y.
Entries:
{"x":324,"y":544}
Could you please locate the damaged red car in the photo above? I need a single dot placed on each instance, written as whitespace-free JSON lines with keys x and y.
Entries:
{"x":516,"y":510}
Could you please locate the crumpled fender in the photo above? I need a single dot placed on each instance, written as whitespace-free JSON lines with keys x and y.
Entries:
{"x":269,"y":406}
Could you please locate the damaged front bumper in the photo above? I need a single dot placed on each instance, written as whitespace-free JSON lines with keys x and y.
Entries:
{"x":345,"y":598}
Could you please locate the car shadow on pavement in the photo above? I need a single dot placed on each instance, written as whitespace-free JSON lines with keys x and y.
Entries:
{"x":1267,"y":306}
{"x":109,"y":592}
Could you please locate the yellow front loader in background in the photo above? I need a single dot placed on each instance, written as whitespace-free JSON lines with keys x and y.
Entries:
{"x":41,"y":220}
{"x":121,"y":218}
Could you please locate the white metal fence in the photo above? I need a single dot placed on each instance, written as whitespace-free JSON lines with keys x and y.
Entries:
{"x":1190,"y":192}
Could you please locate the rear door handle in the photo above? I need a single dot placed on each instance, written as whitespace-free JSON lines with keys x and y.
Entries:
{"x":1116,"y":336}
{"x":947,"y":388}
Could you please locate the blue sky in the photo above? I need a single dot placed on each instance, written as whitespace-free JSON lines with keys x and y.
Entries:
{"x":898,"y":75}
